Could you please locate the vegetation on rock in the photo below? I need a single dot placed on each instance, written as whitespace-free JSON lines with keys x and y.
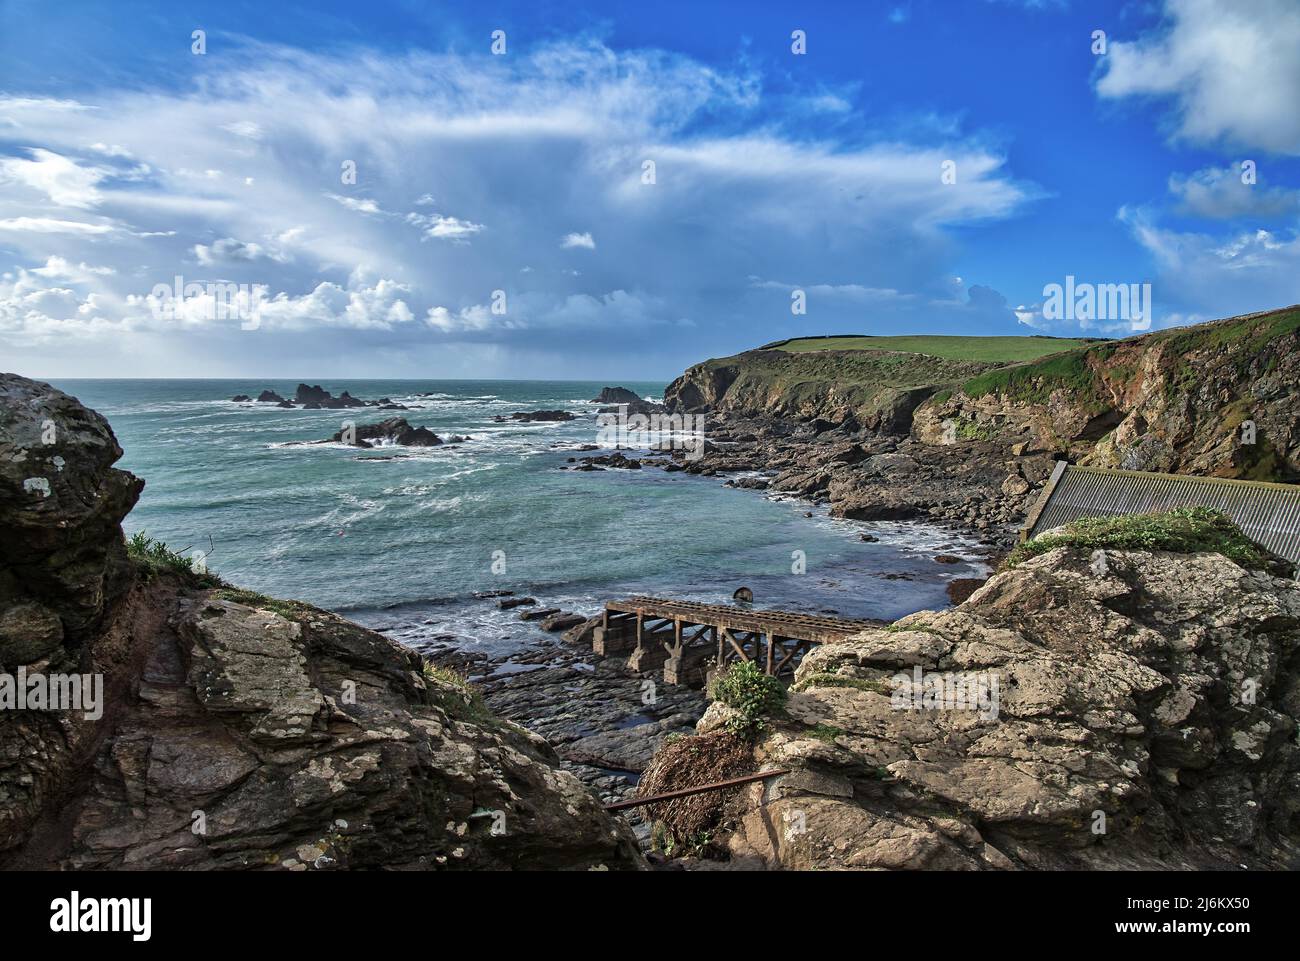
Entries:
{"x":1182,"y":530}
{"x":753,"y":695}
{"x":153,"y":557}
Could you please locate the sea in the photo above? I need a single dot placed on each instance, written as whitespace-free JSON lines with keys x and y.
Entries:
{"x":402,"y":539}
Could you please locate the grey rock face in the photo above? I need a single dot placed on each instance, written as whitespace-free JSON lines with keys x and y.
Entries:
{"x":1145,"y":719}
{"x":61,"y":506}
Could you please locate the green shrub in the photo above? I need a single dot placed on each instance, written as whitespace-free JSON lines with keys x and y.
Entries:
{"x":154,"y":557}
{"x":754,"y":695}
{"x":1183,"y":530}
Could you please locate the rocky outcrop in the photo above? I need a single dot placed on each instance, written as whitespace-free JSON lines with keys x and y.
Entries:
{"x":615,"y":395}
{"x":1138,"y":710}
{"x":395,"y":430}
{"x":235,"y":731}
{"x":62,"y":560}
{"x":317,"y":398}
{"x":528,"y":416}
{"x":891,"y":435}
{"x":873,"y":389}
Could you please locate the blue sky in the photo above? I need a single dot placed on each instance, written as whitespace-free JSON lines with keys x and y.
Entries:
{"x":500,"y":223}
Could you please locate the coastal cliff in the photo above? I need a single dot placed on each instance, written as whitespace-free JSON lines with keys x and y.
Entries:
{"x":895,"y":434}
{"x":234,"y":730}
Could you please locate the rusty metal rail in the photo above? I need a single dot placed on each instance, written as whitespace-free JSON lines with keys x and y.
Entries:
{"x":698,"y":789}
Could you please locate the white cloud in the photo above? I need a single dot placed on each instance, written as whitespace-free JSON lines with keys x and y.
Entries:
{"x":583,"y":240}
{"x":444,"y":228}
{"x":230,"y":250}
{"x":362,"y":205}
{"x":1231,"y":69}
{"x":66,"y":183}
{"x":1204,"y":275}
{"x":1220,"y":194}
{"x":49,"y":225}
{"x":57,"y":267}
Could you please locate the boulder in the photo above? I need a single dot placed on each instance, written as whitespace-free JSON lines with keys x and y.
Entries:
{"x":395,"y":430}
{"x":269,"y":397}
{"x":539,"y":415}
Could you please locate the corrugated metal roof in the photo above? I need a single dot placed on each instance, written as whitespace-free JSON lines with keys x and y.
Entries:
{"x":1268,"y":514}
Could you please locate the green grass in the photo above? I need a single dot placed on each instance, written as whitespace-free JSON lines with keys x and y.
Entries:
{"x":1002,"y":350}
{"x":1035,"y":382}
{"x":463,"y":700}
{"x":154,"y":557}
{"x":291,"y":610}
{"x":1183,"y":530}
{"x":1250,"y":341}
{"x":826,"y":679}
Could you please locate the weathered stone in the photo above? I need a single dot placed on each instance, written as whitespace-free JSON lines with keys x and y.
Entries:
{"x":28,"y":632}
{"x":1162,"y":694}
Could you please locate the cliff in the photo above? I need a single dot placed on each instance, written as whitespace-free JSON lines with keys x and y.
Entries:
{"x":233,"y":730}
{"x":1172,"y":400}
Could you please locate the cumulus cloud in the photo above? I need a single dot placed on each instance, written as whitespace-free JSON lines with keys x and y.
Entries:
{"x":578,"y":240}
{"x":1229,"y":69}
{"x":439,"y":227}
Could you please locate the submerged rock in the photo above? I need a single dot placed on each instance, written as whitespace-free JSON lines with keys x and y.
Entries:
{"x":540,"y":415}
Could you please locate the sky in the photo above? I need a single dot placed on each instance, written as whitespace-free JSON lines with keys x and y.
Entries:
{"x":618,"y":190}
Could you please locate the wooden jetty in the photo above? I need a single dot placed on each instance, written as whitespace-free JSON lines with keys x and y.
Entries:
{"x":689,"y":640}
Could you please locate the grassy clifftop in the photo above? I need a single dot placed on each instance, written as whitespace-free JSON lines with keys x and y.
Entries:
{"x":1000,"y":350}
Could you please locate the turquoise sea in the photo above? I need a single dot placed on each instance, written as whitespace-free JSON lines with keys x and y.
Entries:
{"x":402,"y":538}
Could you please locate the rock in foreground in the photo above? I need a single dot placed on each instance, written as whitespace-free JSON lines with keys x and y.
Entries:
{"x":1145,"y":718}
